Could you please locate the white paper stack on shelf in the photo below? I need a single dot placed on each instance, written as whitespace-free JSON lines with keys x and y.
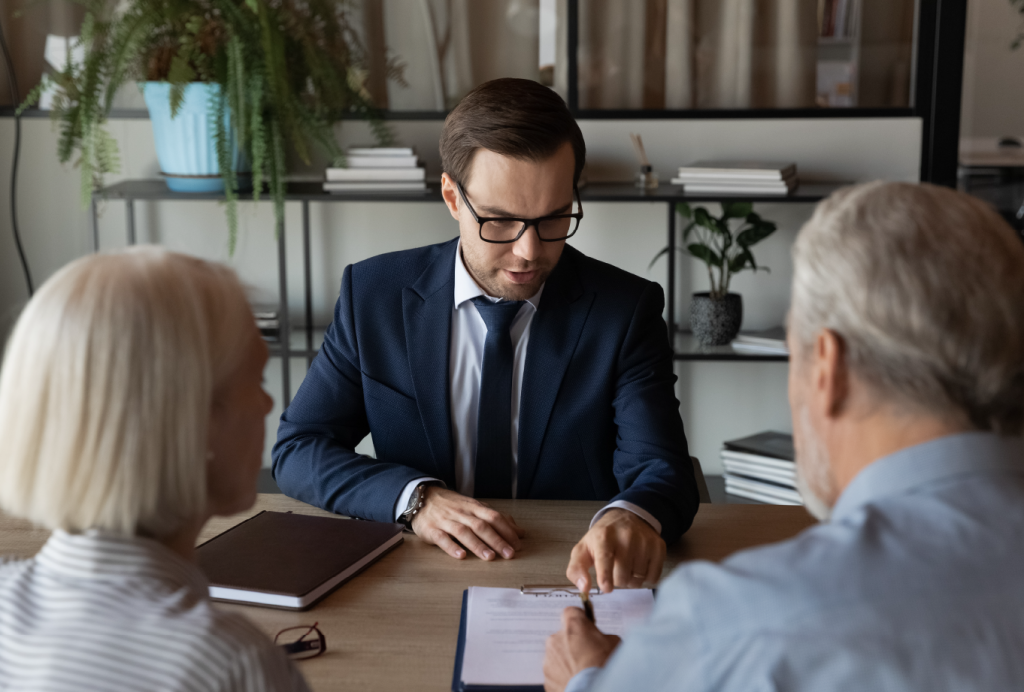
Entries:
{"x":761,"y":467}
{"x":737,"y":178}
{"x":377,"y":169}
{"x":769,"y":342}
{"x":267,"y":321}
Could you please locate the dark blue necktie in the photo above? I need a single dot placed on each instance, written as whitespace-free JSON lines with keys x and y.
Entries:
{"x":493,"y":476}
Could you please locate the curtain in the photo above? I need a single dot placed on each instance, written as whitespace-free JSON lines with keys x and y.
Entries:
{"x":697,"y":53}
{"x":26,"y":38}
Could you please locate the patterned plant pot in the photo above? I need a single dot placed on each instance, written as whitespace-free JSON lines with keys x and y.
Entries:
{"x":716,"y":322}
{"x":185,"y":144}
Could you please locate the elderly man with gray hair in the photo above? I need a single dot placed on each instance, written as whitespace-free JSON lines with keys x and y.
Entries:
{"x":906,"y":386}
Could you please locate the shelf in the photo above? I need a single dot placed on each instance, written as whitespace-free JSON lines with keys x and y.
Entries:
{"x":295,"y":191}
{"x":688,"y":348}
{"x":297,"y":343}
{"x":312,"y":191}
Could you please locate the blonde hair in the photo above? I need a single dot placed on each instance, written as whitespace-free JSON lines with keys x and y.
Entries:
{"x":925,"y":285}
{"x":106,"y":390}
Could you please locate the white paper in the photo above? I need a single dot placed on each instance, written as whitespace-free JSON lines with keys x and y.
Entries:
{"x":506,"y":630}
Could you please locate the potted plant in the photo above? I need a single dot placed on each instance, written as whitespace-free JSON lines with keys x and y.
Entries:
{"x":723,"y":243}
{"x":231,"y":85}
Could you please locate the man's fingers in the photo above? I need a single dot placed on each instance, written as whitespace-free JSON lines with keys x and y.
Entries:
{"x":490,"y":535}
{"x":443,"y":541}
{"x":520,"y":532}
{"x":657,"y":562}
{"x":468,"y":538}
{"x":639,"y":571}
{"x":580,"y":562}
{"x":493,"y":528}
{"x":604,"y":566}
{"x":573,"y":617}
{"x":622,"y":572}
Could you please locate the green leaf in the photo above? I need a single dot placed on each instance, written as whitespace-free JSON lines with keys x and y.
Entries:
{"x":755,"y":234}
{"x":688,"y":230}
{"x":703,"y":252}
{"x":739,"y":262}
{"x":661,"y":252}
{"x":703,"y":218}
{"x":683,"y":209}
{"x":736,"y":210}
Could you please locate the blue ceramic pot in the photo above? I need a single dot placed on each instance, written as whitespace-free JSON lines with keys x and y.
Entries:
{"x":185,"y":144}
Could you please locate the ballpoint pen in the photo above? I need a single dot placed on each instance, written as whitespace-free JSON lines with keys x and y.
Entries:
{"x":588,"y":607}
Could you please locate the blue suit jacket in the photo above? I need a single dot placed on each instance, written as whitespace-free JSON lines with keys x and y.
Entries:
{"x":598,"y":415}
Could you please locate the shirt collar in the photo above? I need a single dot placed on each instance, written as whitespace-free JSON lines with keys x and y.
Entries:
{"x":467,"y":289}
{"x":103,"y":556}
{"x":941,"y":459}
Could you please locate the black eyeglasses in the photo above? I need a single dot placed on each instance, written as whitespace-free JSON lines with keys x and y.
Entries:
{"x":505,"y":229}
{"x":301,"y":648}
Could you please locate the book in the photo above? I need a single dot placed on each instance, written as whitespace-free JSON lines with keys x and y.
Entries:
{"x":768,"y":341}
{"x":752,"y":491}
{"x":291,"y":561}
{"x":375,"y":174}
{"x":762,"y":491}
{"x":760,"y":170}
{"x":370,"y":186}
{"x":382,"y":161}
{"x":744,"y":190}
{"x":772,"y":444}
{"x":380,"y":151}
{"x":758,"y":471}
{"x":502,"y":632}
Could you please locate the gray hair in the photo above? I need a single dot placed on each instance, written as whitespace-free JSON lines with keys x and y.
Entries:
{"x":106,"y":389}
{"x":925,"y":286}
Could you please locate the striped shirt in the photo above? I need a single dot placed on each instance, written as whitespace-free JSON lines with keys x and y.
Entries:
{"x":95,"y":611}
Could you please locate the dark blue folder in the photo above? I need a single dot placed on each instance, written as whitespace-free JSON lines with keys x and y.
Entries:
{"x":458,"y":685}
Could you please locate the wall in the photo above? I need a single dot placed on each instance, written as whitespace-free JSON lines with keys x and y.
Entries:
{"x":718,"y":400}
{"x":993,"y":87}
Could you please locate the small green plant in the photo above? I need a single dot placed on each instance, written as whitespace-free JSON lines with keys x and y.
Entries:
{"x":287,"y":70}
{"x":723,"y":242}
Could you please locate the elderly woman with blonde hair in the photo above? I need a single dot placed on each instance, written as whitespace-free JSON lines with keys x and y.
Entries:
{"x":131,"y":411}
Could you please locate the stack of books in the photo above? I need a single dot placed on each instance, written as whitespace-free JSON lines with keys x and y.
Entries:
{"x":768,"y":342}
{"x":761,"y":467}
{"x":737,"y":178}
{"x":267,"y":321}
{"x":377,"y":169}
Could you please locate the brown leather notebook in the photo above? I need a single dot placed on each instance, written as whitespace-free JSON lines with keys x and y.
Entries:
{"x":291,"y":561}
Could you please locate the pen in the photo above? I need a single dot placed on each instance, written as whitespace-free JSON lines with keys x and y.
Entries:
{"x":588,"y":607}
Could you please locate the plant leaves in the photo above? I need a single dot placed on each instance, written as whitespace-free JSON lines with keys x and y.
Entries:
{"x":703,"y":252}
{"x":688,"y":230}
{"x":683,"y":209}
{"x":703,"y":218}
{"x":736,"y":210}
{"x":755,"y":234}
{"x":662,"y":251}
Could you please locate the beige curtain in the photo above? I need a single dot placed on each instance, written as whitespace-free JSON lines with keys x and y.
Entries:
{"x":697,"y":53}
{"x":26,"y":38}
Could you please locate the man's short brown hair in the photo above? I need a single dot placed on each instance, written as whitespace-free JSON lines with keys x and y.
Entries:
{"x":518,"y":118}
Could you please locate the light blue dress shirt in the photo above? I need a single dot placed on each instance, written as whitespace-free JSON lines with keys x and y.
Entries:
{"x":915,"y":583}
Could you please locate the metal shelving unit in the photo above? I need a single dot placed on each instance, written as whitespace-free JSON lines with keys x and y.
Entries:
{"x":303,"y":342}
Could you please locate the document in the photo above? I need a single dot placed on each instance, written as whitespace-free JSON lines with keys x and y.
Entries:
{"x":506,"y":629}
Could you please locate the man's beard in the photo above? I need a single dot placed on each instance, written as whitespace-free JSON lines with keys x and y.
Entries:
{"x":813,"y":471}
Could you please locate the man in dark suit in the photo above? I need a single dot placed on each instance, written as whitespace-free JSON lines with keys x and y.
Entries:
{"x":502,"y":363}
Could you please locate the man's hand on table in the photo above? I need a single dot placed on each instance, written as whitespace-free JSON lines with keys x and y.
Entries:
{"x":577,"y":646}
{"x":447,"y":517}
{"x":623,"y":549}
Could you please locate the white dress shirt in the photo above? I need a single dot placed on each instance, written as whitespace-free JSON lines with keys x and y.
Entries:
{"x":465,"y":364}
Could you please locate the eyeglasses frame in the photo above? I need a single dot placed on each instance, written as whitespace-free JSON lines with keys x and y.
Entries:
{"x":295,"y":650}
{"x":481,"y":220}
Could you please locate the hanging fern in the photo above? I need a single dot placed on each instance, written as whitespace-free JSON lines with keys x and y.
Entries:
{"x":287,"y":70}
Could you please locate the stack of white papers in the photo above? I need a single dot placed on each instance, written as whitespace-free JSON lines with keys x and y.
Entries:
{"x":377,"y":169}
{"x":737,"y":178}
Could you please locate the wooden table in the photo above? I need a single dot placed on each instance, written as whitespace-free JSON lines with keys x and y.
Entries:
{"x":394,"y":627}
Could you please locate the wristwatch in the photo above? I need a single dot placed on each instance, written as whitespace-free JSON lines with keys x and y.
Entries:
{"x":416,"y":501}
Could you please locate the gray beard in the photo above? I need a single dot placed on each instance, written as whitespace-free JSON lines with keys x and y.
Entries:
{"x":813,"y":475}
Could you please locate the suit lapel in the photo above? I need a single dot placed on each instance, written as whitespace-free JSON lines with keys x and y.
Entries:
{"x":554,"y":333}
{"x":427,"y":312}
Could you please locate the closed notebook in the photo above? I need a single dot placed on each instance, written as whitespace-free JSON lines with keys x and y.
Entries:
{"x":291,"y":561}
